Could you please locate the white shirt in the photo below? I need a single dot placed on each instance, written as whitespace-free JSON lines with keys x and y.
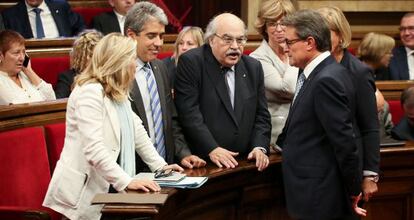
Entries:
{"x":121,"y":21}
{"x":315,"y":62}
{"x":11,"y":93}
{"x":49,"y":24}
{"x":231,"y":84}
{"x":410,"y":62}
{"x":146,"y":99}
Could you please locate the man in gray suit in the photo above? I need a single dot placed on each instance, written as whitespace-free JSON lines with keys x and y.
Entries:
{"x":151,"y":93}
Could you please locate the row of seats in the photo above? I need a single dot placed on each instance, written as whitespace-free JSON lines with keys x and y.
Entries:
{"x":28,"y":157}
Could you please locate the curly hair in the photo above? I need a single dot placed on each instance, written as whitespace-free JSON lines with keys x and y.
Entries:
{"x":83,"y":49}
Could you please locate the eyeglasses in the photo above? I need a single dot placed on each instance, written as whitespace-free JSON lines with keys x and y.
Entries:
{"x":275,"y":24}
{"x":289,"y":43}
{"x":407,"y":28}
{"x":229,"y":40}
{"x":163,"y":173}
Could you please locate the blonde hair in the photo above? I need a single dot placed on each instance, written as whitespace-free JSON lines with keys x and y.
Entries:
{"x":83,"y":49}
{"x":338,"y":23}
{"x":374,"y":46}
{"x":110,"y":66}
{"x":195,"y":32}
{"x":272,"y":10}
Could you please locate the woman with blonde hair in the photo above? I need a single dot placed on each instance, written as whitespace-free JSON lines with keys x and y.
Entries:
{"x":375,"y":50}
{"x":365,"y":116}
{"x":279,"y":77}
{"x":79,"y":58}
{"x":102,"y":133}
{"x":189,"y":37}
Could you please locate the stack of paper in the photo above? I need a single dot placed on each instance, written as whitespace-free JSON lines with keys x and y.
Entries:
{"x":176,"y":180}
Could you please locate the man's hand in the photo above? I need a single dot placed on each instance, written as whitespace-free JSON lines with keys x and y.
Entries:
{"x":358,"y":210}
{"x":174,"y":167}
{"x":192,"y":161}
{"x":262,"y":161}
{"x":369,"y":187}
{"x":222,"y":157}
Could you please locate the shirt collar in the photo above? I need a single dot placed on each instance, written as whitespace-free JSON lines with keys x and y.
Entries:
{"x":315,"y":62}
{"x":119,"y":16}
{"x":139,"y":64}
{"x":42,"y":6}
{"x":409,"y":51}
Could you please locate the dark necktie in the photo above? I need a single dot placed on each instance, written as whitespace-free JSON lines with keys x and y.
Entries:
{"x":39,"y":25}
{"x":226,"y":71}
{"x":299,"y":84}
{"x":155,"y":110}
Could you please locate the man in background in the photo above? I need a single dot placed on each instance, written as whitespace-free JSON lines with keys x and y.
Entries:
{"x":43,"y":19}
{"x":151,"y":93}
{"x":113,"y":21}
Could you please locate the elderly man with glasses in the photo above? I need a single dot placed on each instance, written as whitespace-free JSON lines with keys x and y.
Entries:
{"x":220,"y":97}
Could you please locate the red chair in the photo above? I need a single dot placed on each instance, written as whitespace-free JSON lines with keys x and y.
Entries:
{"x":48,"y":68}
{"x":163,"y":55}
{"x":25,"y":174}
{"x":55,"y":138}
{"x":396,"y":111}
{"x":88,"y":13}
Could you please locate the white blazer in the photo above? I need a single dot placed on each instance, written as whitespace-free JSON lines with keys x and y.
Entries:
{"x":280,"y":83}
{"x":87,"y":164}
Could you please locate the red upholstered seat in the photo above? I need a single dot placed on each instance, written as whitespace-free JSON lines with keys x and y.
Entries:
{"x":24,"y":171}
{"x":163,"y":55}
{"x":55,"y":138}
{"x":396,"y":111}
{"x":88,"y":13}
{"x":48,"y":68}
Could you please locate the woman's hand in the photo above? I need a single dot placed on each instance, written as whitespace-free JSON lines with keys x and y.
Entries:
{"x":30,"y":73}
{"x":174,"y":167}
{"x":144,"y":185}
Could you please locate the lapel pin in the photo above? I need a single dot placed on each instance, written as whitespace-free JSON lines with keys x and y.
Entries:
{"x":244,"y":75}
{"x":57,"y":11}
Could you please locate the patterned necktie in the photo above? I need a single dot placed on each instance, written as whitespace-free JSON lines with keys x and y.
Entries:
{"x":39,"y":25}
{"x":299,"y":84}
{"x":155,"y":110}
{"x":226,"y":71}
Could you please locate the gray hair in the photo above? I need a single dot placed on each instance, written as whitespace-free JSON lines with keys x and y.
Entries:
{"x":140,"y":13}
{"x":211,"y":28}
{"x":309,"y":23}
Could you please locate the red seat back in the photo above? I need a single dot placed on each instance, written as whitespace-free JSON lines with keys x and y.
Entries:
{"x":88,"y":13}
{"x":24,"y":168}
{"x":396,"y":111}
{"x":163,"y":55}
{"x":48,"y":68}
{"x":55,"y":138}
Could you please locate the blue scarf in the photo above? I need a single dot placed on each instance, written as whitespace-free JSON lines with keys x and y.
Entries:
{"x":127,"y":154}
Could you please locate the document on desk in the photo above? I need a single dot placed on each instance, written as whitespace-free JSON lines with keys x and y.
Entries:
{"x":177,"y":180}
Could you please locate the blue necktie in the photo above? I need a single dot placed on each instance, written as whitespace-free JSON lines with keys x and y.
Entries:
{"x":155,"y":110}
{"x":299,"y":84}
{"x":39,"y":25}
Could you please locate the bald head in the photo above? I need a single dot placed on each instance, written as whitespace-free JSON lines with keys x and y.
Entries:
{"x":224,"y":20}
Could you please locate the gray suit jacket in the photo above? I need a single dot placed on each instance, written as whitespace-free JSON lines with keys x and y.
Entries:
{"x":175,"y":143}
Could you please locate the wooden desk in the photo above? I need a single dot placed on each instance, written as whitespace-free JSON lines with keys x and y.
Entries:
{"x":245,"y":193}
{"x":392,"y":89}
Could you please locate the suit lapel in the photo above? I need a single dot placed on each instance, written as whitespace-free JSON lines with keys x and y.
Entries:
{"x":113,"y":22}
{"x":217,"y":78}
{"x":139,"y":104}
{"x":241,"y":91}
{"x":56,"y":16}
{"x":25,"y":20}
{"x":113,"y":117}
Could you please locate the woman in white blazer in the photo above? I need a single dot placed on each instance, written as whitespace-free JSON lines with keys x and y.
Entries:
{"x":279,"y":77}
{"x":102,"y":129}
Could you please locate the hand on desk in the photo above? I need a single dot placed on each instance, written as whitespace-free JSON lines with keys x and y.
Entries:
{"x":192,"y":161}
{"x":369,"y":187}
{"x":144,"y":185}
{"x":174,"y":167}
{"x":262,"y":161}
{"x":222,"y":157}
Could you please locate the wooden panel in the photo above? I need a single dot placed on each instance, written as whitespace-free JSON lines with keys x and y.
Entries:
{"x":392,"y":89}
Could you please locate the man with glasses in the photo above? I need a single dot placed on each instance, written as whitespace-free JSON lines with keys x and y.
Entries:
{"x":220,"y":97}
{"x":320,"y":164}
{"x":402,"y":63}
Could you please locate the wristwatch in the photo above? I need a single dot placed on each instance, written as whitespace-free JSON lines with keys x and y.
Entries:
{"x":373,"y":178}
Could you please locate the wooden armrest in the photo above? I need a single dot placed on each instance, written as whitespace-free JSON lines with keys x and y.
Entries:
{"x":22,"y":213}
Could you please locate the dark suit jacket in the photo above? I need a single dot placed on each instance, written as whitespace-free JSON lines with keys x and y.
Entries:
{"x":204,"y":106}
{"x":366,"y":118}
{"x":1,"y":23}
{"x":320,"y":158}
{"x":64,"y":83}
{"x":403,"y":130}
{"x":106,"y":23}
{"x":172,"y":69}
{"x":398,"y":64}
{"x":175,"y":144}
{"x":68,"y":23}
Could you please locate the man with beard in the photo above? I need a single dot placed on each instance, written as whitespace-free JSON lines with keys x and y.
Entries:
{"x":220,"y":97}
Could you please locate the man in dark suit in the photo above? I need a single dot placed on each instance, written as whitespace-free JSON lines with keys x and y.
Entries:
{"x":402,"y":62}
{"x":113,"y":21}
{"x":220,"y":97}
{"x":56,"y":19}
{"x":1,"y":23}
{"x":320,"y":159}
{"x":155,"y":107}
